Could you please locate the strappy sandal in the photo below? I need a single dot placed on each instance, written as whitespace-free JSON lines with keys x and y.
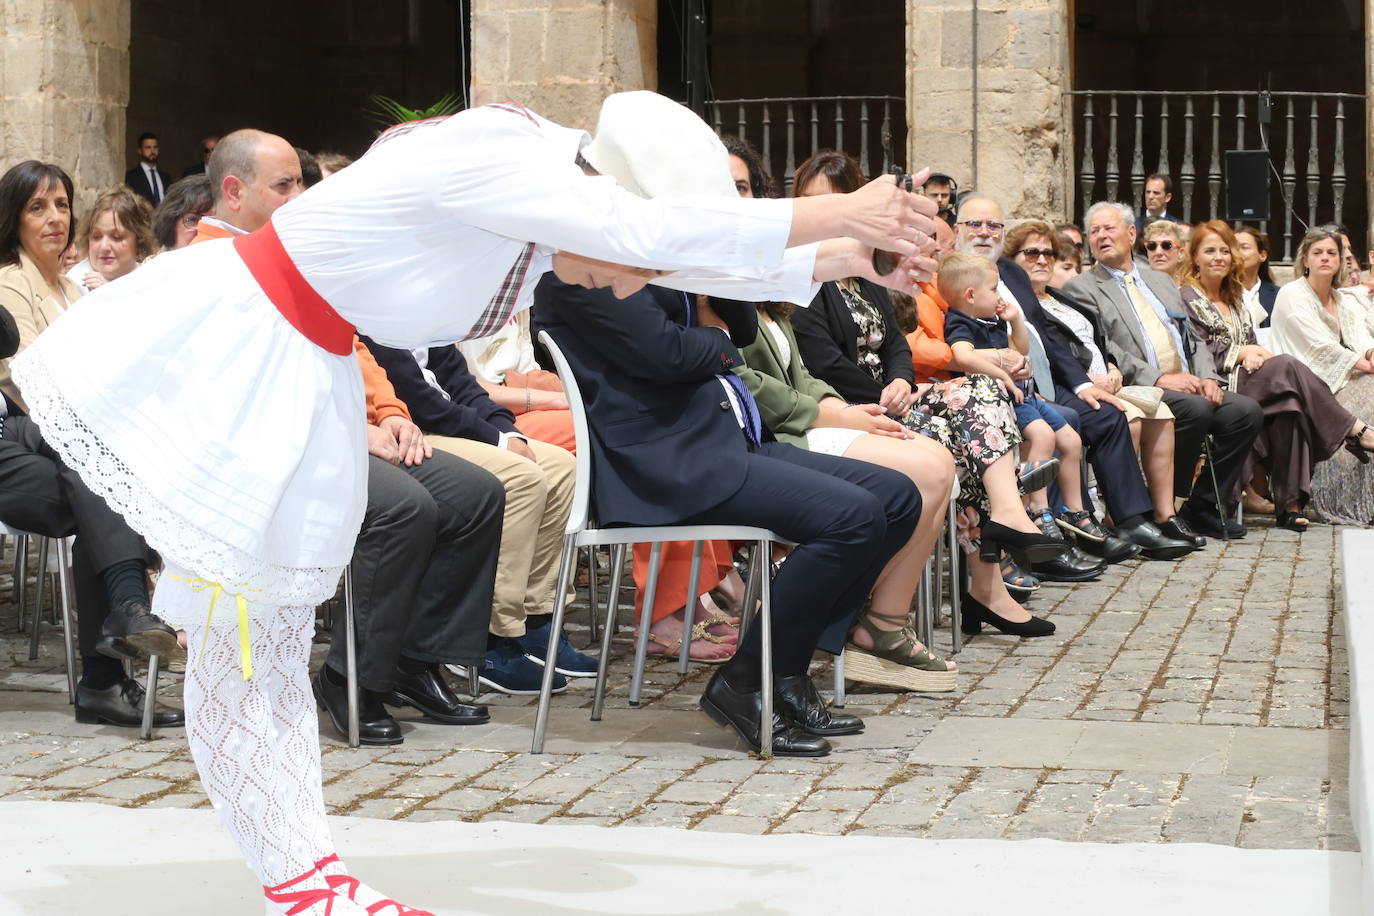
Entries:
{"x":1293,"y":521}
{"x":719,"y":620}
{"x":674,"y":648}
{"x":1354,"y":446}
{"x":897,"y":659}
{"x":1081,"y":524}
{"x":1019,"y":583}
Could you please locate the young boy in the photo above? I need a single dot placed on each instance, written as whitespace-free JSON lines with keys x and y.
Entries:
{"x":979,"y":324}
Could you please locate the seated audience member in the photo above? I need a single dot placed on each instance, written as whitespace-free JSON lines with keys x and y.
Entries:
{"x":423,"y":570}
{"x":458,"y":417}
{"x":70,"y":257}
{"x":979,"y":324}
{"x":332,"y":162}
{"x":1164,"y":247}
{"x":251,"y":174}
{"x":1150,"y":420}
{"x":882,"y":648}
{"x":1073,"y":234}
{"x":116,"y":235}
{"x":669,"y":448}
{"x":1100,"y":414}
{"x":176,"y":218}
{"x":849,"y":339}
{"x":310,"y":169}
{"x":39,"y":493}
{"x":1260,"y":291}
{"x":505,"y":367}
{"x":1324,"y":328}
{"x":1303,"y":422}
{"x":1140,"y":310}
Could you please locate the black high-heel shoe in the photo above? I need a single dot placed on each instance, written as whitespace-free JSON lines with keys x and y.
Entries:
{"x":1028,"y":549}
{"x":976,"y":613}
{"x":1356,"y":448}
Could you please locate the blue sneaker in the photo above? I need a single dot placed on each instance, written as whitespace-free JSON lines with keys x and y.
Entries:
{"x":568,"y":662}
{"x":507,"y":670}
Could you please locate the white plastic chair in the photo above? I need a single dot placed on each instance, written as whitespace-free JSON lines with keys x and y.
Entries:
{"x":580,"y":532}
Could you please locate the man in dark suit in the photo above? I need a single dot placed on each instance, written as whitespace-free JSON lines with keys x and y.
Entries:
{"x":1101,"y":423}
{"x":207,"y":146}
{"x":676,"y":440}
{"x":1142,"y":315}
{"x":147,"y":180}
{"x":1159,"y":190}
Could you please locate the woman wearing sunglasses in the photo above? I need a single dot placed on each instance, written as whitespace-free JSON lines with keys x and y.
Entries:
{"x":1164,"y":247}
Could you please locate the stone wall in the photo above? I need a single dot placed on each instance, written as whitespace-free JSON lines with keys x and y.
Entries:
{"x":64,"y":84}
{"x":562,"y":57}
{"x":1012,"y":138}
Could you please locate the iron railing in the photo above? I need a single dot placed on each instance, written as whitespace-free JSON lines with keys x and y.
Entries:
{"x":1314,"y":139}
{"x":872,"y":128}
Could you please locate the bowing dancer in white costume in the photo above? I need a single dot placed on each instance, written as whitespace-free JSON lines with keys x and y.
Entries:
{"x":213,"y":398}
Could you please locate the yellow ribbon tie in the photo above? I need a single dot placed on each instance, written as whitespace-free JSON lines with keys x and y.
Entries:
{"x":216,"y":589}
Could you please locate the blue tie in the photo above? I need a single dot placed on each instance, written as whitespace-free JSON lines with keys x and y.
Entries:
{"x":753,"y":428}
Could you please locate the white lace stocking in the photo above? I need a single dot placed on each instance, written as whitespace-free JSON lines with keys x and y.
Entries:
{"x":256,"y":741}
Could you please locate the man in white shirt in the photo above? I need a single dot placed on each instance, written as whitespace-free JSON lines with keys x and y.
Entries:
{"x":146,"y":178}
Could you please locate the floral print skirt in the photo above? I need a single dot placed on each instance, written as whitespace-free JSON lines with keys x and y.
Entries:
{"x":973,"y":418}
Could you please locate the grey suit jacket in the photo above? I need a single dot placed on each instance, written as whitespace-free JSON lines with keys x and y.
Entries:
{"x":1122,"y":327}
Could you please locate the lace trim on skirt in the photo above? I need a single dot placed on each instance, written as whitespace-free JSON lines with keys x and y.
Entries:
{"x":168,"y":533}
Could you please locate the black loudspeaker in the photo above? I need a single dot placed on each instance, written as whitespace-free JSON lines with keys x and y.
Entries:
{"x":1247,"y":185}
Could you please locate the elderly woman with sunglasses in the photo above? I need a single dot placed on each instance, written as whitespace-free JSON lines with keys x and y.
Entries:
{"x":1164,"y":246}
{"x":1051,"y":259}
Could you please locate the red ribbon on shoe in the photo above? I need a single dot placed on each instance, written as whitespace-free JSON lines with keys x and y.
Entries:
{"x":291,"y":293}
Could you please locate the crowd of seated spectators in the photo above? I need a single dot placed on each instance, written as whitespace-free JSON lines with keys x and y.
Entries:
{"x":1099,"y":394}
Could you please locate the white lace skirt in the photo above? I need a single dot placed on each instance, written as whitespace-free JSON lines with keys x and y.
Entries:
{"x":831,"y":440}
{"x":232,"y":443}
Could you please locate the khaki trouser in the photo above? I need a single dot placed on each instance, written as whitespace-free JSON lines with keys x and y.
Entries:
{"x":538,"y":500}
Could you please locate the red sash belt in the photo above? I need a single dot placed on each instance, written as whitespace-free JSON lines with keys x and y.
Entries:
{"x":291,"y":293}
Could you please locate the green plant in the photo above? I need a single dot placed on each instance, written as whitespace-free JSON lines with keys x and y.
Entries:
{"x":387,"y":111}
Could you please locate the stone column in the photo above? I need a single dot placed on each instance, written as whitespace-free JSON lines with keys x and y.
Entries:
{"x":562,"y":57}
{"x":64,"y":84}
{"x":1000,"y":122}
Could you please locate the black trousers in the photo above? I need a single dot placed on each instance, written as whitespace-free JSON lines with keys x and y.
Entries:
{"x":39,"y":493}
{"x":1107,"y":439}
{"x":423,"y":568}
{"x":847,"y":517}
{"x":1233,"y":426}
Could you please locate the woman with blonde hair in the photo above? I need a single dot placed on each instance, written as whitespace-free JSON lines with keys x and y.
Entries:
{"x":116,"y":236}
{"x":1304,"y":423}
{"x":1164,"y":246}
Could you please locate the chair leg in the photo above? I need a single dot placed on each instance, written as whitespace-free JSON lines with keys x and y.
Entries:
{"x":645,"y":621}
{"x":145,"y":731}
{"x":612,"y":601}
{"x":560,"y":605}
{"x":474,"y":682}
{"x":956,"y":582}
{"x":21,"y":575}
{"x":593,"y":596}
{"x":751,"y":589}
{"x":65,"y":585}
{"x":689,"y":609}
{"x":838,"y":701}
{"x":40,"y":577}
{"x":939,"y":580}
{"x":351,"y":658}
{"x":766,"y":647}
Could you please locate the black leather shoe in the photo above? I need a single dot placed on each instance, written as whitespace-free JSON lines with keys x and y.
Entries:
{"x":1071,"y":567}
{"x":121,"y":704}
{"x":430,"y":693}
{"x":730,"y":708}
{"x":1153,"y":543}
{"x":976,"y":613}
{"x":801,"y":703}
{"x":1179,"y":530}
{"x":133,"y":631}
{"x":376,"y":728}
{"x":1207,"y":522}
{"x":1111,"y":550}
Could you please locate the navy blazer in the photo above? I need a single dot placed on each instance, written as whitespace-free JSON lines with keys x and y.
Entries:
{"x":1268,"y":295}
{"x":665,"y":444}
{"x":1064,"y":366}
{"x":829,"y":344}
{"x":467,"y":413}
{"x":137,"y":179}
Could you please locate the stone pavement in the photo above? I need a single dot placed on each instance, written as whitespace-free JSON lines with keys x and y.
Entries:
{"x":1198,"y":701}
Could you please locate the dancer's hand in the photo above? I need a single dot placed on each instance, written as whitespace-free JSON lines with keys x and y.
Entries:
{"x":882,"y":215}
{"x":410,"y":441}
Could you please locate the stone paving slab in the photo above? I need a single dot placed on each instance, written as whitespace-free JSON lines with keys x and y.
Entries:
{"x":1199,"y":701}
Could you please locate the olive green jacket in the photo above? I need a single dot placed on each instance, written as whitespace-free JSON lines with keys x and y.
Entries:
{"x":788,"y":396}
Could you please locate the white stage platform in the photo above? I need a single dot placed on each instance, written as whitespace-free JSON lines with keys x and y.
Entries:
{"x":58,"y":859}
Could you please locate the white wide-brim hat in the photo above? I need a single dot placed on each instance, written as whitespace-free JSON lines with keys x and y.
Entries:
{"x":655,"y":147}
